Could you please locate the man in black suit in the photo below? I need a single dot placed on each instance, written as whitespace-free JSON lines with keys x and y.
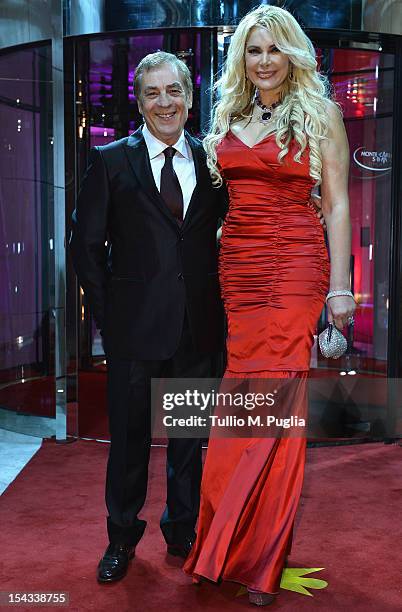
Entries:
{"x":154,"y":293}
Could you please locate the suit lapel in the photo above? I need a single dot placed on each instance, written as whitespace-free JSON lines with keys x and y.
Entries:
{"x":137,"y":153}
{"x":201,"y":175}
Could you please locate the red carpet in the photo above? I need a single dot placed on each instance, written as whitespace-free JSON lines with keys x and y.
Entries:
{"x":53,"y":533}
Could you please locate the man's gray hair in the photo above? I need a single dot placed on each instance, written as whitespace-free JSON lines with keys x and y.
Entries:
{"x":154,"y":60}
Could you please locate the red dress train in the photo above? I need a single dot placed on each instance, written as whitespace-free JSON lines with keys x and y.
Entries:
{"x":274,"y":274}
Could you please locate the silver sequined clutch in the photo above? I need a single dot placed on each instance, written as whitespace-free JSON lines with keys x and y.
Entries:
{"x":332,"y":342}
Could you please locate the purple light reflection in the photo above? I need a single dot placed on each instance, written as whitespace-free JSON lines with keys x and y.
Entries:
{"x":96,"y":130}
{"x":99,"y":135}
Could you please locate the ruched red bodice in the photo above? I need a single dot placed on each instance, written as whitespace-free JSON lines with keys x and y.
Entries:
{"x":273,"y":258}
{"x":274,"y":274}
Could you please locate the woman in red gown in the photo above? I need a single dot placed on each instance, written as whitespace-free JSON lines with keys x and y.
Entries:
{"x":275,"y":135}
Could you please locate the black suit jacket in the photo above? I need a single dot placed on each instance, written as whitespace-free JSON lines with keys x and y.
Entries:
{"x":151,"y":270}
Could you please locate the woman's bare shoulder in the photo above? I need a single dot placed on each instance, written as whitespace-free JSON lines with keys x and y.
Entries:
{"x":333,"y":111}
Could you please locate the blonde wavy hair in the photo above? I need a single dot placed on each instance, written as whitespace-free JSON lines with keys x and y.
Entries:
{"x":303,"y":113}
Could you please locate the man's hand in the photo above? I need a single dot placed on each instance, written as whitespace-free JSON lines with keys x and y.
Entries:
{"x":315,"y":201}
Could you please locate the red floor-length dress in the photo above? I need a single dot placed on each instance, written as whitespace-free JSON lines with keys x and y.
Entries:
{"x":274,"y":274}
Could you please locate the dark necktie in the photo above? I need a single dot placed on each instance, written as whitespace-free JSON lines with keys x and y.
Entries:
{"x":170,"y":187}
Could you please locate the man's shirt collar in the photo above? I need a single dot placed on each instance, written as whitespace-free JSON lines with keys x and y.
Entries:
{"x":156,"y":146}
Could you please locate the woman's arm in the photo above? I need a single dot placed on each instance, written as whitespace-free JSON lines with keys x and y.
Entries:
{"x":335,"y":207}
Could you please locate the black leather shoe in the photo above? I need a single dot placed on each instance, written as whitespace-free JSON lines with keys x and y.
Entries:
{"x":182,"y":548}
{"x":114,"y":563}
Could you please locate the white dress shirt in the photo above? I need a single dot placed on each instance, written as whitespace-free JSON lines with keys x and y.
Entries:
{"x":183,"y":163}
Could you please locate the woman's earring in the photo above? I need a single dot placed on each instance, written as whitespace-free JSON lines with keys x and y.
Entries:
{"x":291,"y":75}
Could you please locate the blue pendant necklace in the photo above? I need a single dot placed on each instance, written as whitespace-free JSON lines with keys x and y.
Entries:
{"x":267,"y":111}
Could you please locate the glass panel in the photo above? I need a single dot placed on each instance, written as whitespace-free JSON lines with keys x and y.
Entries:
{"x":27,"y":400}
{"x":327,"y":13}
{"x":363,"y":85}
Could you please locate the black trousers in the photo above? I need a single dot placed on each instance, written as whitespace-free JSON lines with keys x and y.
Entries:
{"x":129,"y":395}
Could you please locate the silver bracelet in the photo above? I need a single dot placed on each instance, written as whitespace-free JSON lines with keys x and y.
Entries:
{"x":332,"y":294}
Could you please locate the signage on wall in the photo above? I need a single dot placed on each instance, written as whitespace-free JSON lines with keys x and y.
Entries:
{"x":374,"y":161}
